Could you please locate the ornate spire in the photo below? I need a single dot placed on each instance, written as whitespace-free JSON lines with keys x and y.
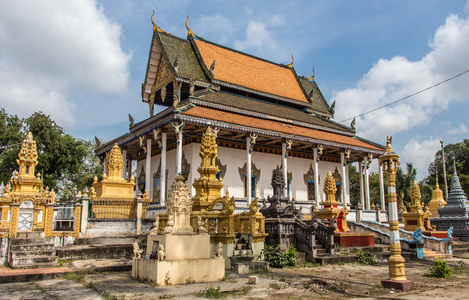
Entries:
{"x":189,"y":31}
{"x":115,"y":164}
{"x":27,"y":158}
{"x":415,"y":194}
{"x":329,"y":188}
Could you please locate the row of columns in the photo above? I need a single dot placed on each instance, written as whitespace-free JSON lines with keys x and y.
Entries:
{"x":250,"y":141}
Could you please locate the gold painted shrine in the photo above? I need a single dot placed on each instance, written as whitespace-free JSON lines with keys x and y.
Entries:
{"x":214,"y":212}
{"x":28,"y":206}
{"x":113,"y":197}
{"x":330,"y":210}
{"x":416,"y":218}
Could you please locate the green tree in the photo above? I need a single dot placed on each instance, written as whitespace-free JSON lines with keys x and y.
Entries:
{"x":66,"y":163}
{"x":404,"y":182}
{"x":354,"y":179}
{"x":458,"y":152}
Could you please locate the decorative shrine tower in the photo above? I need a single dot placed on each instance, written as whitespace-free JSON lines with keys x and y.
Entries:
{"x":208,"y":186}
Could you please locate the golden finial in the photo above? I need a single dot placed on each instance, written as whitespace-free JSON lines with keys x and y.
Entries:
{"x":189,"y":31}
{"x":388,"y":144}
{"x":437,"y":185}
{"x":312,"y":77}
{"x":292,"y":61}
{"x":415,"y":193}
{"x":155,"y":28}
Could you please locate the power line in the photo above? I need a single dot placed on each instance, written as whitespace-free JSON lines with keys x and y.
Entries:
{"x":407,"y":97}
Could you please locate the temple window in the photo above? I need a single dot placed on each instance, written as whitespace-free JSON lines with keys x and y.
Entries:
{"x":309,"y":181}
{"x":255,"y":176}
{"x":27,"y":169}
{"x":141,"y":181}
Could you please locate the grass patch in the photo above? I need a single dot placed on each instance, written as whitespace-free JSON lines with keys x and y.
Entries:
{"x":363,"y":257}
{"x":440,"y":269}
{"x":212,"y":292}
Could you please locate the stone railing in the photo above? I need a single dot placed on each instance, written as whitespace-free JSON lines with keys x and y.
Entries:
{"x":305,"y":239}
{"x":325,"y":235}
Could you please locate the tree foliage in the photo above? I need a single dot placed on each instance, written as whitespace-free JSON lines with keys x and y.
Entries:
{"x":67,"y":164}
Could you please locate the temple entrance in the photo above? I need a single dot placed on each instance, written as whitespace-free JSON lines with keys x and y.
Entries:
{"x":25,"y":217}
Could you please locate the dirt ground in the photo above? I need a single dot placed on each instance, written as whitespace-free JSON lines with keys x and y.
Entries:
{"x":364,"y":281}
{"x":302,"y":282}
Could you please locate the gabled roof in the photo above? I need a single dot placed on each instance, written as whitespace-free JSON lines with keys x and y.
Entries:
{"x":251,"y":72}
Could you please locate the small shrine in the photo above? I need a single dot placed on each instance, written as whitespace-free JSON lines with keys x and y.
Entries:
{"x":27,"y":206}
{"x":456,"y":211}
{"x":416,"y":218}
{"x":330,"y":210}
{"x":113,"y":197}
{"x":337,"y":217}
{"x":437,"y":200}
{"x":280,"y":206}
{"x":178,"y":254}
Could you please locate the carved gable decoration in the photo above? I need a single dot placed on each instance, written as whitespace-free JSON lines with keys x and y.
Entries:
{"x":163,"y":77}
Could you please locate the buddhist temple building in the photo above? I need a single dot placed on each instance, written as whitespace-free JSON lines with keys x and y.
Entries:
{"x":263,"y":114}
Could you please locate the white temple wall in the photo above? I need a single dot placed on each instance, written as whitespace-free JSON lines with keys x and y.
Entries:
{"x":236,"y":158}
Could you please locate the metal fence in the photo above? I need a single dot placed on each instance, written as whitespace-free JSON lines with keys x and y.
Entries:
{"x":64,"y":218}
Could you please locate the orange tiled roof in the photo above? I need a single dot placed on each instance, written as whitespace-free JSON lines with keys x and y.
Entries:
{"x":243,"y":70}
{"x":213,"y":114}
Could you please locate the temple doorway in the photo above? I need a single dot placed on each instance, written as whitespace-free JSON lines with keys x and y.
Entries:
{"x":25,"y":217}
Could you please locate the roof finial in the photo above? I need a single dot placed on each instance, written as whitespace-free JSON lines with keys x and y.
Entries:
{"x":312,"y":77}
{"x":189,"y":31}
{"x":436,"y":172}
{"x":292,"y":61}
{"x":155,"y":28}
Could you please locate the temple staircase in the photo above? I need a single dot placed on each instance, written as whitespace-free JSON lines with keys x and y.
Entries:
{"x":460,"y":248}
{"x":30,"y":250}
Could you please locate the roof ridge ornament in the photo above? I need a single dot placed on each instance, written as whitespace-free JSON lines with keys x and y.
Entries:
{"x":290,"y":65}
{"x":155,"y":27}
{"x":189,"y":31}
{"x":312,"y":77}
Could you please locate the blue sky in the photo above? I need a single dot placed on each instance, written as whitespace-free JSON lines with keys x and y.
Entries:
{"x":83,"y":61}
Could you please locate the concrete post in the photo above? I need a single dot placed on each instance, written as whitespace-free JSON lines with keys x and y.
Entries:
{"x":124,"y":156}
{"x":85,"y":201}
{"x":316,"y":177}
{"x":15,"y":212}
{"x":367,"y":183}
{"x":381,"y":188}
{"x":360,"y":172}
{"x":48,"y":219}
{"x":77,"y":223}
{"x":344,"y":178}
{"x":179,"y":153}
{"x":139,"y":215}
{"x":248,"y":171}
{"x":284,"y":161}
{"x":163,"y":170}
{"x":359,"y":215}
{"x":148,"y":181}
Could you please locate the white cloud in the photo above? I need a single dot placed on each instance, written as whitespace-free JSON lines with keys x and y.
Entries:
{"x":216,"y":25}
{"x":421,"y":154}
{"x":393,"y":79}
{"x":258,"y":38}
{"x":50,"y":49}
{"x":461,"y":129}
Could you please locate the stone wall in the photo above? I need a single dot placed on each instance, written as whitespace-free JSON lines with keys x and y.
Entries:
{"x":106,"y":227}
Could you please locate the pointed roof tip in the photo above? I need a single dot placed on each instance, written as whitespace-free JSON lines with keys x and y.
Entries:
{"x":190,"y":33}
{"x":312,"y":77}
{"x":155,"y":27}
{"x":290,"y":65}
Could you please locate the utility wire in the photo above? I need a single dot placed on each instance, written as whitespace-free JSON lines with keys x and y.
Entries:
{"x":407,"y":97}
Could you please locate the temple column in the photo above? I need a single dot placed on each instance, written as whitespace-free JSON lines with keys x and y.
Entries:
{"x":104,"y":165}
{"x":129,"y":168}
{"x":360,"y":172}
{"x":344,"y":178}
{"x":15,"y":212}
{"x":284,"y":161}
{"x":124,"y":156}
{"x":85,"y":201}
{"x":178,"y":132}
{"x":248,"y":170}
{"x":381,"y":187}
{"x":347,"y":187}
{"x":163,"y":170}
{"x":148,"y":185}
{"x":316,"y":176}
{"x":367,"y":183}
